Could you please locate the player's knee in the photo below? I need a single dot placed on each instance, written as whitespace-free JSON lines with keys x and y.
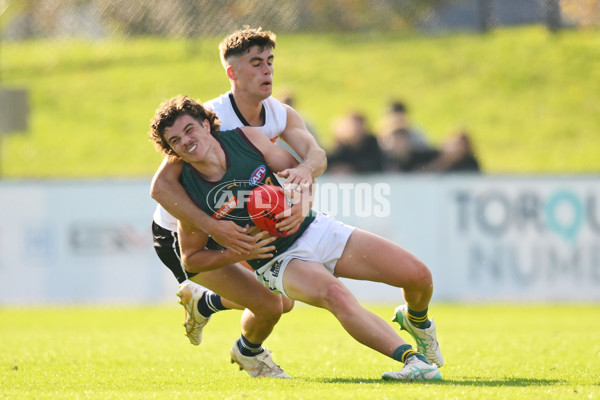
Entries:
{"x":337,"y":298}
{"x":288,"y":304}
{"x":421,"y":276}
{"x":269,"y":310}
{"x":425,"y":277}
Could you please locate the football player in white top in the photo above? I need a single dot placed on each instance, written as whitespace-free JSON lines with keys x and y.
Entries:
{"x":247,"y":56}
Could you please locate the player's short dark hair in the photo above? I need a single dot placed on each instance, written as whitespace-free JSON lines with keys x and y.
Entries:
{"x":241,"y":41}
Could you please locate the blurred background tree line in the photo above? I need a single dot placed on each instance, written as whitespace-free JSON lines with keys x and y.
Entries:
{"x":25,"y":19}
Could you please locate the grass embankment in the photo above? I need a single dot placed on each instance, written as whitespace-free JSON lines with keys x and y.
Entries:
{"x":530,"y":99}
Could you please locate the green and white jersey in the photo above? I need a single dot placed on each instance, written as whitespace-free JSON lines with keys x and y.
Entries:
{"x":275,"y":121}
{"x":227,"y":198}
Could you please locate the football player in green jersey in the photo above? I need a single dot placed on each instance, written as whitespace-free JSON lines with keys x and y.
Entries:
{"x":308,"y":269}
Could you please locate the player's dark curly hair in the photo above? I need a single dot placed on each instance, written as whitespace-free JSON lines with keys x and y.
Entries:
{"x":168,"y":112}
{"x":240,"y":42}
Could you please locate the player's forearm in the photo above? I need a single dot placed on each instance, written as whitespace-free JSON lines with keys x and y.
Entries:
{"x":177,"y":202}
{"x":209,"y":260}
{"x":304,"y":144}
{"x":315,"y":161}
{"x":168,"y":192}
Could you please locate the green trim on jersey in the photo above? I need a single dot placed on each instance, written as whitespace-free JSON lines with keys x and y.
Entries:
{"x":226,"y":199}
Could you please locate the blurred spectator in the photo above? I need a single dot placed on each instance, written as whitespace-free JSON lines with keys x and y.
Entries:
{"x":356,"y":149}
{"x":456,"y":155}
{"x":400,"y":141}
{"x":397,"y":119}
{"x":287,"y":97}
{"x":406,"y":148}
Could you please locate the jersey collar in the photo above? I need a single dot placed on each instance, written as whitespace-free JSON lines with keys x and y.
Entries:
{"x":263,"y":113}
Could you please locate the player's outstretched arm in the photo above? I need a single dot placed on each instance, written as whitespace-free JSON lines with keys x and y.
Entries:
{"x":169,"y":193}
{"x":314,"y":159}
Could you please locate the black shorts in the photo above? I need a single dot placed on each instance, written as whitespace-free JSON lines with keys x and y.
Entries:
{"x":166,"y":245}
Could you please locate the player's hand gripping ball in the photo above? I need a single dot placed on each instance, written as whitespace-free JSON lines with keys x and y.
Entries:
{"x":264,"y":203}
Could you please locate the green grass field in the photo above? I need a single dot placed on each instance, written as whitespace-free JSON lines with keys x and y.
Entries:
{"x":491,"y":351}
{"x":530,"y":99}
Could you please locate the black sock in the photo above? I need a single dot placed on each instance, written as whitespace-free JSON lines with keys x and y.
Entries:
{"x":209,"y":304}
{"x":247,"y":348}
{"x":418,"y":319}
{"x":405,"y":352}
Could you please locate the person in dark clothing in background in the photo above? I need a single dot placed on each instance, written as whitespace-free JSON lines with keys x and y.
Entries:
{"x":356,"y":150}
{"x":406,"y":148}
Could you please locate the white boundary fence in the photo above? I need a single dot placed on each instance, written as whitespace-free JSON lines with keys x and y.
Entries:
{"x":485,"y":238}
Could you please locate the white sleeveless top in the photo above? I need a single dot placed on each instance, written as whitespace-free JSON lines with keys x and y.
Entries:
{"x":231,"y":118}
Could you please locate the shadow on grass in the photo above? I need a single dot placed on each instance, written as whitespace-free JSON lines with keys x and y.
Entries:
{"x":514,"y":382}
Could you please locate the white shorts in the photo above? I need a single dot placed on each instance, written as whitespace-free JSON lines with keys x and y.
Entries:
{"x":323,"y":241}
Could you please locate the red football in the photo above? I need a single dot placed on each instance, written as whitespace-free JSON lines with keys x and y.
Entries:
{"x":264,"y":203}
